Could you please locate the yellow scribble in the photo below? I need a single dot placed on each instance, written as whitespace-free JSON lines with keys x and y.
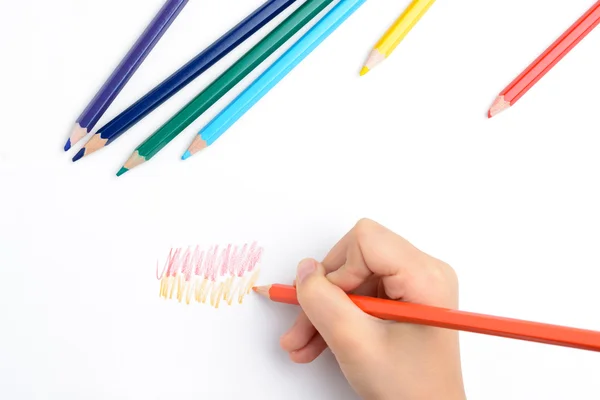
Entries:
{"x":201,"y":290}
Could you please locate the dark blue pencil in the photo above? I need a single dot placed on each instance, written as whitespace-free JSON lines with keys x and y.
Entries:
{"x":186,"y":74}
{"x":128,"y":66}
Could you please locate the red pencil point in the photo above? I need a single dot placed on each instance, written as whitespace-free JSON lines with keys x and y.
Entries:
{"x":547,"y":60}
{"x":499,"y":105}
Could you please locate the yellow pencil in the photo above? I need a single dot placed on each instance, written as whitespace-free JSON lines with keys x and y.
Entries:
{"x":396,"y":33}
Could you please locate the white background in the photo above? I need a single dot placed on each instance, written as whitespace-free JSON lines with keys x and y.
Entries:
{"x":511,"y":203}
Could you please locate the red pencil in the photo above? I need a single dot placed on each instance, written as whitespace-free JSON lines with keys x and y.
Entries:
{"x":553,"y":54}
{"x":456,"y":320}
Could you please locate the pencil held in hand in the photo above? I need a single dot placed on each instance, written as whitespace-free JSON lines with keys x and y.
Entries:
{"x":396,"y":33}
{"x":128,"y":66}
{"x":545,"y":62}
{"x":457,"y":320}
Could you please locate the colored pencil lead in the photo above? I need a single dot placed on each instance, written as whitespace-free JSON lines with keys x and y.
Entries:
{"x":122,"y":171}
{"x":364,"y":71}
{"x":79,"y":155}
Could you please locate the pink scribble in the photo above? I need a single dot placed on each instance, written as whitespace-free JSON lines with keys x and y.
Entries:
{"x":249,"y":262}
{"x":225,"y":260}
{"x":170,"y":264}
{"x":213,"y":264}
{"x":215,"y":275}
{"x":236,"y":259}
{"x":211,"y":260}
{"x":198,"y":262}
{"x":186,"y":265}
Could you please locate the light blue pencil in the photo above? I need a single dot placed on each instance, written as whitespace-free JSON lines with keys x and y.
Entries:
{"x":273,"y":75}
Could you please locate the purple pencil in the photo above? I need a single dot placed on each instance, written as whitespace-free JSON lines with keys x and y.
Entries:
{"x":121,"y":75}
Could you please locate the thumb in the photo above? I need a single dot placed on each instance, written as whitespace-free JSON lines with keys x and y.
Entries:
{"x":339,"y":321}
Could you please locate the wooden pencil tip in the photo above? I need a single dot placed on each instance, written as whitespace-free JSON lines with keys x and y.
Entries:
{"x":499,"y":105}
{"x":77,"y":134}
{"x":198,"y":144}
{"x":94,"y":144}
{"x":374,"y":59}
{"x":262,"y":290}
{"x":364,"y":71}
{"x":132,"y":162}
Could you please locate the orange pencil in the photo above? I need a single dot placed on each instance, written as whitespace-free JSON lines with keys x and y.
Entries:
{"x":457,"y":320}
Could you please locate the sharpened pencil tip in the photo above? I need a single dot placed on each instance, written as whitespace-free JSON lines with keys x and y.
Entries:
{"x":364,"y":71}
{"x":186,"y":155}
{"x":500,"y":104}
{"x":122,"y":171}
{"x":262,"y":290}
{"x":79,"y":155}
{"x":68,"y":145}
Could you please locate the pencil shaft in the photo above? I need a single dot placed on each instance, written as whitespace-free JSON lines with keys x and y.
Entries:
{"x":460,"y":320}
{"x":403,"y":25}
{"x":129,"y":65}
{"x":231,"y":77}
{"x":553,"y":54}
{"x":194,"y":68}
{"x":280,"y":68}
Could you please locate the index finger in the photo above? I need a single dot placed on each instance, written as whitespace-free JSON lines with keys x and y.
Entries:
{"x":337,"y":255}
{"x":371,"y":249}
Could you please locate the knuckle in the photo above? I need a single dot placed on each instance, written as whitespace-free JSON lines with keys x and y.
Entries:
{"x":364,"y":227}
{"x":365,"y":223}
{"x":448,"y":272}
{"x":442,"y":276}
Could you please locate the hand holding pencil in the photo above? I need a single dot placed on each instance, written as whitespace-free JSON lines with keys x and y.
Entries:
{"x":381,"y":360}
{"x":390,"y":280}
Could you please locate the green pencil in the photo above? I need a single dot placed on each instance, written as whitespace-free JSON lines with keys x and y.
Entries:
{"x":227,"y":80}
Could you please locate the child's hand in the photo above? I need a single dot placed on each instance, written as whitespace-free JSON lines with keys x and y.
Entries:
{"x":381,"y":359}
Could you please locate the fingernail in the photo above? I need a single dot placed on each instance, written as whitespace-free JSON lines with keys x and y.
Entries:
{"x":305,"y":268}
